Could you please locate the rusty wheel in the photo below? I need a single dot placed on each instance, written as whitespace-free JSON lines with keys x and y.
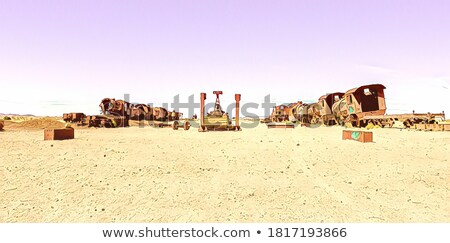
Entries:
{"x":407,"y":123}
{"x":354,"y":121}
{"x":175,"y":125}
{"x":187,"y":125}
{"x":389,"y":123}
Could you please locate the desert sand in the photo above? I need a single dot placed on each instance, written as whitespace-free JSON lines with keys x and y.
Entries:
{"x":256,"y":175}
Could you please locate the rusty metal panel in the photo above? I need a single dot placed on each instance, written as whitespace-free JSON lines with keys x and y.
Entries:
{"x":435,"y":127}
{"x":280,"y":125}
{"x":421,"y":126}
{"x":360,"y":136}
{"x":446,"y":127}
{"x":59,"y":134}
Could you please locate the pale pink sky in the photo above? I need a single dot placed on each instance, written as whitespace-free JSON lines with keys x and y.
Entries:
{"x":64,"y":56}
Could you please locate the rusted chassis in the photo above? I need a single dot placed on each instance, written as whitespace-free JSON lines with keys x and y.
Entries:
{"x":175,"y":125}
{"x":413,"y":120}
{"x":107,"y":121}
{"x":77,"y":118}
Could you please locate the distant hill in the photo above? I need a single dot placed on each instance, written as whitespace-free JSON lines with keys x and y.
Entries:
{"x":2,"y":114}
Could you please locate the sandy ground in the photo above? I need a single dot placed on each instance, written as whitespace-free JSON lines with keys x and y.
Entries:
{"x":257,"y":175}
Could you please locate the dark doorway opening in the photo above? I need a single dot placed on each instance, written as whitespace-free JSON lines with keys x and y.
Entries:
{"x":369,"y":100}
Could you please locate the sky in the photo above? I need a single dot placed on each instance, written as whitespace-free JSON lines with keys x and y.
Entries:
{"x":65,"y":56}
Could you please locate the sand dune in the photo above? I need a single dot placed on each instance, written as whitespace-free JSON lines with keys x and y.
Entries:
{"x":256,"y":175}
{"x":33,"y":123}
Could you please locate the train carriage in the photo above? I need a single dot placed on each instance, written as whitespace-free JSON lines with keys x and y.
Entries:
{"x":367,"y":100}
{"x":326,"y":103}
{"x":292,"y":111}
{"x":280,"y":113}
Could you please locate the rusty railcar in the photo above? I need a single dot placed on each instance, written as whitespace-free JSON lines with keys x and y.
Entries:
{"x":2,"y":124}
{"x":367,"y":100}
{"x":292,"y":110}
{"x":116,"y":113}
{"x":326,"y":103}
{"x":111,"y":106}
{"x":141,"y":112}
{"x":307,"y":113}
{"x":160,"y":114}
{"x":107,"y":121}
{"x":301,"y":114}
{"x":313,"y":111}
{"x":367,"y":105}
{"x":174,"y":115}
{"x":280,"y":113}
{"x":74,"y":117}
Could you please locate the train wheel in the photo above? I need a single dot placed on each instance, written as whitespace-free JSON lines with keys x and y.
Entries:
{"x":325,"y":121}
{"x":355,"y":121}
{"x":175,"y":125}
{"x":364,"y":123}
{"x":407,"y":123}
{"x":187,"y":125}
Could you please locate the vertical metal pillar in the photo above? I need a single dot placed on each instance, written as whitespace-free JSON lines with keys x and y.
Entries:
{"x":237,"y":97}
{"x":202,"y":110}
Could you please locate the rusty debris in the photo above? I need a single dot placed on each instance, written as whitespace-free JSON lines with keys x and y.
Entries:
{"x":76,"y":118}
{"x":280,"y":125}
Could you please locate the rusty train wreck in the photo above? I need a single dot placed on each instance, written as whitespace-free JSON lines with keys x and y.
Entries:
{"x":366,"y":105}
{"x":358,"y":107}
{"x":118,"y":113}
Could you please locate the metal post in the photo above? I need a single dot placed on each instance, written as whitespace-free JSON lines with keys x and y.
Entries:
{"x":202,"y":109}
{"x":237,"y":97}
